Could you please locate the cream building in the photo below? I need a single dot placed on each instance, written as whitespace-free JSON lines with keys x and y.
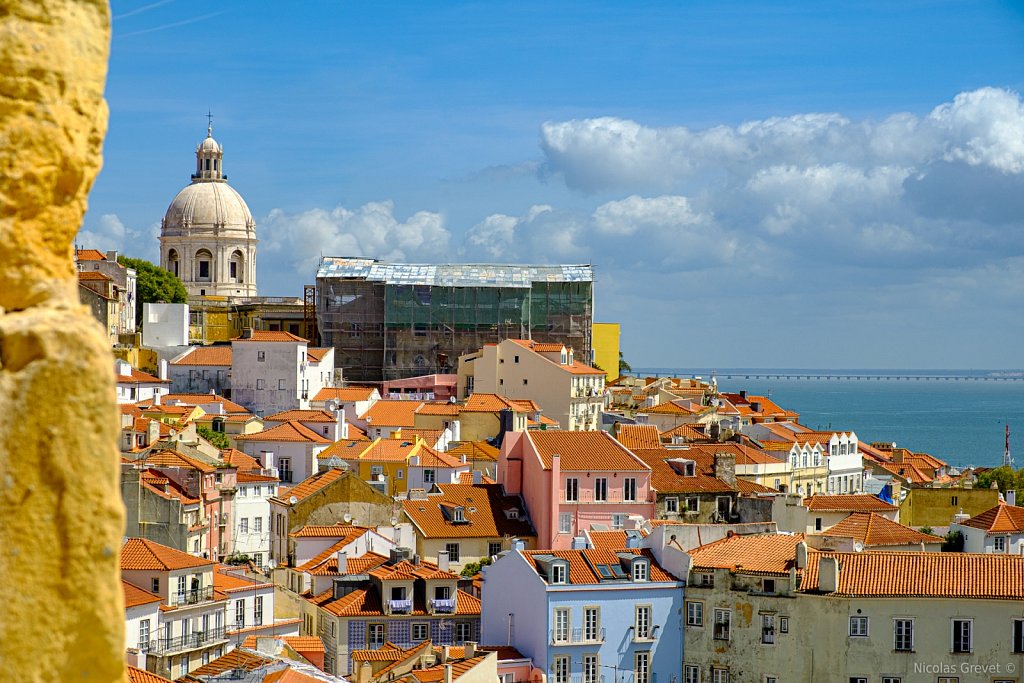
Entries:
{"x":208,"y":235}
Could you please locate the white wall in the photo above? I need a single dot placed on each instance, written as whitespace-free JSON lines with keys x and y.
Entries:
{"x":164,"y":325}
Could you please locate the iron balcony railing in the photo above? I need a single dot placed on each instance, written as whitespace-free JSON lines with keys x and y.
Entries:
{"x":192,"y":641}
{"x":577,"y":636}
{"x":192,"y":597}
{"x":443,"y":605}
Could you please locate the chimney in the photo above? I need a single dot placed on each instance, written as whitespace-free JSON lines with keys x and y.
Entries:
{"x":442,"y":560}
{"x":152,"y":432}
{"x":445,"y":653}
{"x":470,"y":650}
{"x":268,"y":460}
{"x":447,"y":671}
{"x":801,"y":555}
{"x":364,"y":673}
{"x":518,"y":544}
{"x":828,"y":575}
{"x":162,"y":368}
{"x":725,"y":468}
{"x":342,"y":562}
{"x":111,"y":256}
{"x":743,"y":394}
{"x":478,"y":478}
{"x":755,"y":406}
{"x":1011,"y":497}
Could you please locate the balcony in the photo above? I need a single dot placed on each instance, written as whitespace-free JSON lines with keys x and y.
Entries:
{"x":587,"y":497}
{"x":577,"y":636}
{"x":285,"y":476}
{"x":443,"y":605}
{"x":193,"y":641}
{"x":192,"y":597}
{"x":400,"y":606}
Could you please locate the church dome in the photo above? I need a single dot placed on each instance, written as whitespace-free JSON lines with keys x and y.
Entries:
{"x":207,"y":207}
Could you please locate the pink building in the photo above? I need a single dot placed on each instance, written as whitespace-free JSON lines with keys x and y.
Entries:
{"x":571,"y":481}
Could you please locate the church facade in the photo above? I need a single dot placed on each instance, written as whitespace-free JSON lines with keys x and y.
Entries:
{"x":208,"y":235}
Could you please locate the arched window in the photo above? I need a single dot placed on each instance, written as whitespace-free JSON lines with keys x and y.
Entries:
{"x":173,"y":262}
{"x":204,"y":266}
{"x":236,"y":266}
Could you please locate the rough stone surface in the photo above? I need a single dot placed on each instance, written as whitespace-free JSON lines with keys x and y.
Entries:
{"x":60,"y":513}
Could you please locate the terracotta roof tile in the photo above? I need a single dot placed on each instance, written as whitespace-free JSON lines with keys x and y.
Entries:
{"x":347,"y":532}
{"x":168,"y":458}
{"x":638,"y":436}
{"x":235,"y":659}
{"x":206,"y":355}
{"x":666,"y":479}
{"x":917,"y":574}
{"x":88,"y":275}
{"x":326,"y":563}
{"x":484,"y":509}
{"x":685,"y":431}
{"x":140,"y":553}
{"x":90,"y":255}
{"x":291,"y":431}
{"x":490,"y":403}
{"x":367,"y":603}
{"x":999,"y":519}
{"x":474,"y":450}
{"x":439,"y":408}
{"x":242,"y":461}
{"x":771,"y":554}
{"x":138,"y":376}
{"x":137,"y":675}
{"x":308,"y":487}
{"x":437,"y":673}
{"x":249,"y":477}
{"x":874,"y":530}
{"x":271,"y":336}
{"x":316,"y":354}
{"x":583,"y":563}
{"x":585,"y":451}
{"x":610,"y":540}
{"x":344,"y":394}
{"x":305,"y":643}
{"x":230,"y":407}
{"x":301,"y":416}
{"x":135,"y":596}
{"x":386,"y":413}
{"x":854,"y":502}
{"x":467,"y":479}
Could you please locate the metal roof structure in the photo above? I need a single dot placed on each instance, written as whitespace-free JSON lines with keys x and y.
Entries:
{"x":451,"y":274}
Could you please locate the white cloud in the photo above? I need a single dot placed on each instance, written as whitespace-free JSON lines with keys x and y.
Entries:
{"x":109,"y":233}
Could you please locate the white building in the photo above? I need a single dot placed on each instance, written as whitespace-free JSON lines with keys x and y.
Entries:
{"x":202,"y":370}
{"x":141,"y":621}
{"x":276,"y":371}
{"x":354,"y":401}
{"x":164,"y":325}
{"x":134,"y":385}
{"x":208,"y":235}
{"x":998,"y":530}
{"x":252,"y":516}
{"x":289,"y":448}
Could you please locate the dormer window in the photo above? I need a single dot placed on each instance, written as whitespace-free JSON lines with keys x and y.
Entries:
{"x":641,"y":570}
{"x":558,"y":573}
{"x":459,"y":515}
{"x":565,"y":357}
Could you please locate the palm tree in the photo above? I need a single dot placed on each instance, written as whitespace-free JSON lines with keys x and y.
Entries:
{"x":624,"y":365}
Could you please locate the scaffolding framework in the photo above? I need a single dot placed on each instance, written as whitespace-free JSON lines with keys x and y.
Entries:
{"x":393,"y":321}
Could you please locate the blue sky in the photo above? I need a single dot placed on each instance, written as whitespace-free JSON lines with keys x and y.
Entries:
{"x":799,"y":184}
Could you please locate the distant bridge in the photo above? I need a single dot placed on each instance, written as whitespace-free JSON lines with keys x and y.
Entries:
{"x":868,"y":377}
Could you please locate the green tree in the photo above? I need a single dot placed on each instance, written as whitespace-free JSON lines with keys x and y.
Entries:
{"x":473,"y":568}
{"x":624,"y":365}
{"x":926,"y":530}
{"x":1004,"y":477}
{"x":954,"y":542}
{"x":154,"y":285}
{"x":216,"y":438}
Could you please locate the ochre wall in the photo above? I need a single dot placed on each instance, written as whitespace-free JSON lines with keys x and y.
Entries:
{"x":60,"y":512}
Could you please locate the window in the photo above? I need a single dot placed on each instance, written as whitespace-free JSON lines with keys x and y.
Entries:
{"x":453,"y":551}
{"x":694,"y":613}
{"x":691,"y":674}
{"x":629,"y":489}
{"x":962,"y":635}
{"x":672,"y":505}
{"x":183,"y":661}
{"x":376,"y":471}
{"x":261,"y":356}
{"x":459,"y":514}
{"x":206,"y":657}
{"x":143,"y":634}
{"x":858,"y":627}
{"x":420,"y":631}
{"x":767,"y":585}
{"x":204,"y":272}
{"x":243,"y":525}
{"x":257,"y":524}
{"x":768,"y":629}
{"x":601,"y":489}
{"x":953,"y":500}
{"x":257,"y":559}
{"x":182,"y":585}
{"x":1018,"y":636}
{"x":558,"y":573}
{"x":723,"y":621}
{"x":619,"y":520}
{"x":590,"y":666}
{"x":239,"y":614}
{"x":642,"y":623}
{"x":858,"y":679}
{"x":375,"y":636}
{"x":260,"y":384}
{"x":560,"y":668}
{"x":903,"y":635}
{"x":705,"y":580}
{"x":429,"y":476}
{"x":693,"y":504}
{"x":720,"y":676}
{"x":591,"y":624}
{"x":463,"y":632}
{"x":640,"y":570}
{"x":572,"y":490}
{"x":525,"y":382}
{"x":783,"y":624}
{"x":561,"y":621}
{"x":642,"y":667}
{"x":516,"y":359}
{"x":280,"y":385}
{"x":284,"y":471}
{"x":891,"y":679}
{"x":565,"y":522}
{"x":155,"y":585}
{"x":999,"y":544}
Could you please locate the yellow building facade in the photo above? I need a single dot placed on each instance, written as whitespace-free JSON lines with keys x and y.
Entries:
{"x":606,"y":348}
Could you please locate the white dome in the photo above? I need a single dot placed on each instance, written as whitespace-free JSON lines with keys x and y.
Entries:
{"x":209,"y":145}
{"x":204,"y":207}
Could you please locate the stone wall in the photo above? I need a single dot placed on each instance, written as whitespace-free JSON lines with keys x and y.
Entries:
{"x":60,"y":512}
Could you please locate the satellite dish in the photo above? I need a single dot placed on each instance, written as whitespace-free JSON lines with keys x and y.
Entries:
{"x":293,"y":500}
{"x":347,"y":518}
{"x":380,"y":477}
